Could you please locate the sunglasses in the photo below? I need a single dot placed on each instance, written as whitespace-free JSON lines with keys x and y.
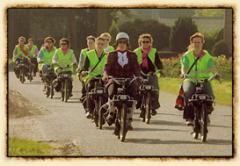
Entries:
{"x":63,"y":44}
{"x":145,"y":42}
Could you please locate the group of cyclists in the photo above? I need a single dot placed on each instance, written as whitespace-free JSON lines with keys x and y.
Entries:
{"x":100,"y":59}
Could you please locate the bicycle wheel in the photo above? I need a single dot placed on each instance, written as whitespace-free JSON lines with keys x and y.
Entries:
{"x":148,"y":109}
{"x":66,"y":90}
{"x":204,"y":115}
{"x":100,"y":114}
{"x":51,"y":90}
{"x":62,"y":90}
{"x":96,"y":113}
{"x":123,"y":122}
{"x":196,"y":126}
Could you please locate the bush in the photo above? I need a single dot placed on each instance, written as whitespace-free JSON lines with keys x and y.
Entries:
{"x":220,"y":48}
{"x":183,"y":28}
{"x":160,"y":32}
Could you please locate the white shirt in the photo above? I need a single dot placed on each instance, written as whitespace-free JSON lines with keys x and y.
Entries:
{"x":122,"y":58}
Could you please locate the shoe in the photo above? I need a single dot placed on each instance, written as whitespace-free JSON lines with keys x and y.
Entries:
{"x":110,"y":119}
{"x":208,"y":120}
{"x":130,"y":126}
{"x":189,"y":122}
{"x":116,"y":131}
{"x":142,"y":113}
{"x":154,"y":112}
{"x":88,"y":115}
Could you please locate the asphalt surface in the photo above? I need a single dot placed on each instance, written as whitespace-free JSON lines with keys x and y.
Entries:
{"x":166,"y":135}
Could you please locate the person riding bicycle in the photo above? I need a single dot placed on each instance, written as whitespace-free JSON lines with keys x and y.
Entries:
{"x":63,"y":60}
{"x":45,"y":55}
{"x":149,"y":62}
{"x":107,"y":39}
{"x":203,"y":69}
{"x":121,"y":63}
{"x":33,"y":52}
{"x":90,"y":46}
{"x":93,"y":66}
{"x":20,"y":53}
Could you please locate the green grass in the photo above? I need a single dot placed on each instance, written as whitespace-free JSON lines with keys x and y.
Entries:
{"x":222,"y":92}
{"x":23,"y":147}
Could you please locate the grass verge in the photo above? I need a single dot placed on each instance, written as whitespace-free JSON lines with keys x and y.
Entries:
{"x":23,"y":147}
{"x":222,"y":92}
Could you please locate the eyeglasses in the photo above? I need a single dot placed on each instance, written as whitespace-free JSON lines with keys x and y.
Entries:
{"x":145,"y":42}
{"x":63,"y":44}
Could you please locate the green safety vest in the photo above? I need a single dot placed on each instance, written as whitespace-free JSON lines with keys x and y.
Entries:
{"x":151,"y":56}
{"x":84,"y":52}
{"x":32,"y":51}
{"x":199,"y":71}
{"x":64,"y":60}
{"x":19,"y":53}
{"x":109,"y":49}
{"x":47,"y":57}
{"x":93,"y":60}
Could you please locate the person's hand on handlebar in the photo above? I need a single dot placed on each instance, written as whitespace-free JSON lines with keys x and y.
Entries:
{"x":184,"y":75}
{"x":105,"y":77}
{"x":83,"y":73}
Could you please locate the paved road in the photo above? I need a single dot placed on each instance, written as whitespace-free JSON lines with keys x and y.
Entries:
{"x":167,"y":134}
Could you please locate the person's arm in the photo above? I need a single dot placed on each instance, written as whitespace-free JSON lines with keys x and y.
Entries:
{"x":15,"y":56}
{"x":81,"y":60}
{"x":40,"y":56}
{"x":136,"y":67}
{"x":158,"y":62}
{"x":36,"y":51}
{"x":184,"y":64}
{"x":86,"y":64}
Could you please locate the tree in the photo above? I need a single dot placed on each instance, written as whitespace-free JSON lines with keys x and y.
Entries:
{"x":159,"y":31}
{"x":183,"y":28}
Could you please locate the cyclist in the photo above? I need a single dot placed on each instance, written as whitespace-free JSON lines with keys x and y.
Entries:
{"x":121,"y":63}
{"x":20,"y":53}
{"x":45,"y":54}
{"x":90,"y":46}
{"x":93,"y":67}
{"x":33,"y":52}
{"x":63,"y":60}
{"x":107,"y":37}
{"x":203,"y":69}
{"x":149,"y":62}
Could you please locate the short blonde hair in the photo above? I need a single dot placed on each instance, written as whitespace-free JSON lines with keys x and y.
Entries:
{"x":49,"y":38}
{"x":195,"y":35}
{"x":99,"y":38}
{"x":22,"y":37}
{"x":145,"y":35}
{"x":106,"y":34}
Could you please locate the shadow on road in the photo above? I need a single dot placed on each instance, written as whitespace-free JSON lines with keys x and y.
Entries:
{"x":154,"y":129}
{"x":169,"y":123}
{"x":159,"y":141}
{"x":33,"y":83}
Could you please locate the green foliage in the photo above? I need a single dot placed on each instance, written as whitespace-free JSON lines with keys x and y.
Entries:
{"x":183,"y":28}
{"x":22,"y":147}
{"x":224,"y":66}
{"x":220,"y":48}
{"x":212,"y":37}
{"x":209,"y":13}
{"x":222,"y":92}
{"x":159,"y":31}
